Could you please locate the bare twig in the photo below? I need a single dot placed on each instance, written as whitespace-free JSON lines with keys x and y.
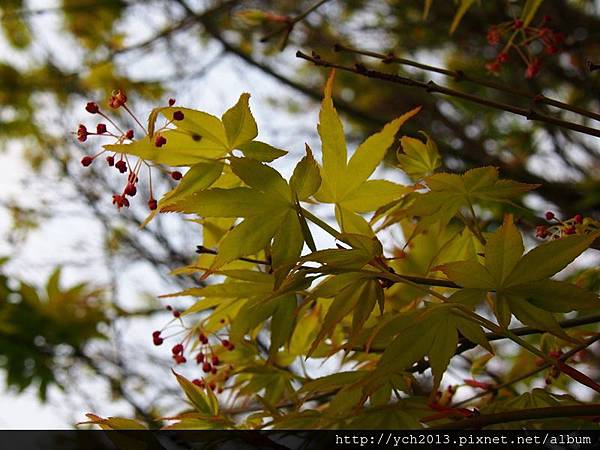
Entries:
{"x":288,"y":27}
{"x":432,"y":87}
{"x":459,"y":75}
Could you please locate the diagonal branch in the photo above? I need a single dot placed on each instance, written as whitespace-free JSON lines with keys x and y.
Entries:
{"x":459,"y":75}
{"x":432,"y":87}
{"x":552,"y":412}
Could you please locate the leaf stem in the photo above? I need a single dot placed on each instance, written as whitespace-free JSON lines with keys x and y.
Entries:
{"x":321,"y":224}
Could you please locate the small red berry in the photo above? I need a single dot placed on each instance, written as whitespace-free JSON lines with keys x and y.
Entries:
{"x":518,"y":23}
{"x":198,"y":382}
{"x":176,"y":175}
{"x":214,"y":371}
{"x":231,"y":347}
{"x":101,"y":128}
{"x":177,"y":349}
{"x":178,"y":115}
{"x":86,"y":161}
{"x":493,"y":36}
{"x":169,"y":308}
{"x":110,"y":160}
{"x":130,"y":190}
{"x":220,"y":390}
{"x":176,"y":313}
{"x":171,"y":101}
{"x":158,"y":341}
{"x":212,"y":386}
{"x":82,"y":133}
{"x":180,"y":359}
{"x":129,"y":134}
{"x":152,"y":204}
{"x":533,"y":68}
{"x":549,"y":215}
{"x":226,"y":343}
{"x":493,"y":67}
{"x":215,"y":360}
{"x":160,"y":140}
{"x":206,"y":367}
{"x":92,"y":107}
{"x":200,"y":358}
{"x":578,"y":218}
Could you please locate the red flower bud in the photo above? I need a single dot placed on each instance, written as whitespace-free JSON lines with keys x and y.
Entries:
{"x":101,"y":128}
{"x":215,"y":360}
{"x":177,"y":349}
{"x":152,"y":204}
{"x":206,"y":367}
{"x":86,"y":161}
{"x":130,"y":190}
{"x":493,"y":36}
{"x":493,"y":67}
{"x":198,"y":382}
{"x":578,"y":218}
{"x":533,"y":68}
{"x":178,"y":115}
{"x":502,"y":57}
{"x":550,"y":215}
{"x":118,"y":99}
{"x":129,"y":134}
{"x":121,"y":166}
{"x":160,"y":140}
{"x":171,"y":101}
{"x":110,"y":160}
{"x":92,"y":107}
{"x":82,"y":133}
{"x":200,"y":358}
{"x":176,"y":175}
{"x":541,"y":231}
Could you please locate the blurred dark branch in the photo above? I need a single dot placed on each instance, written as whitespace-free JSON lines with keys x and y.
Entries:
{"x":117,"y":384}
{"x":432,"y":87}
{"x":552,"y":412}
{"x":459,"y":75}
{"x":289,"y":25}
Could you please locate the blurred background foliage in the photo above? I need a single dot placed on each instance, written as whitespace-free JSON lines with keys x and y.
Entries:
{"x":56,"y":55}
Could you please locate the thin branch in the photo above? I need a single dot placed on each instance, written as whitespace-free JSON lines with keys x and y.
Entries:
{"x":544,"y":366}
{"x":432,"y":87}
{"x":288,"y":27}
{"x":459,"y":75}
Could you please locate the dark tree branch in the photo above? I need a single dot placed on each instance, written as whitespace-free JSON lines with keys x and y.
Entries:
{"x":459,"y":75}
{"x":553,"y":412}
{"x":433,"y":87}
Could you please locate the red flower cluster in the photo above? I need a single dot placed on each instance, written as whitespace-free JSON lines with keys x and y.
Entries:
{"x":119,"y":100}
{"x":520,"y":39}
{"x":560,"y":228}
{"x":208,"y":350}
